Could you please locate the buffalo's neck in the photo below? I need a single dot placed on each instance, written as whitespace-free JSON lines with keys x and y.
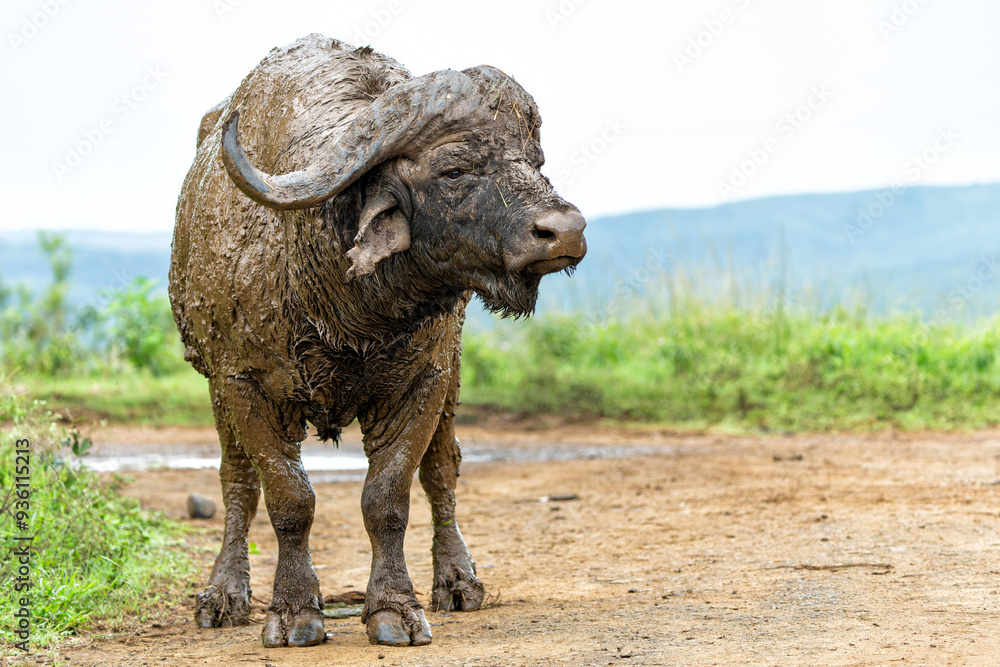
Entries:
{"x":373,"y":310}
{"x":379,"y":311}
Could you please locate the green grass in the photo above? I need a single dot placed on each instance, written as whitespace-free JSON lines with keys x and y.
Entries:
{"x":129,"y":396}
{"x":713,"y":349}
{"x":98,"y":561}
{"x":717,"y":367}
{"x":690,"y":365}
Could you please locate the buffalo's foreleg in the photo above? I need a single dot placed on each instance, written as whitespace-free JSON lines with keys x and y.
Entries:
{"x":294,"y":617}
{"x":395,"y":442}
{"x":226,"y":601}
{"x":392,"y":614}
{"x":456,"y":587}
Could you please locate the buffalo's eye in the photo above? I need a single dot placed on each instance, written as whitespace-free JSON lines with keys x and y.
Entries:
{"x":454,"y":174}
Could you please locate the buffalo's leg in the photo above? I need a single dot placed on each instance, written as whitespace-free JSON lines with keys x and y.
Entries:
{"x":395,"y":445}
{"x":226,"y":601}
{"x":456,"y":587}
{"x":294,"y":617}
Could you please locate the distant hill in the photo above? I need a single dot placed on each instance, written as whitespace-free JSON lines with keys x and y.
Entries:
{"x":924,"y":248}
{"x":923,"y":251}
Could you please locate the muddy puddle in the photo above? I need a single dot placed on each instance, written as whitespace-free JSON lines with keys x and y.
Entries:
{"x":329,"y":463}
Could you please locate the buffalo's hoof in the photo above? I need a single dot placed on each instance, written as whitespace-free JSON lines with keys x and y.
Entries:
{"x":461,"y":591}
{"x":215,"y":609}
{"x":388,"y":628}
{"x":303,"y":629}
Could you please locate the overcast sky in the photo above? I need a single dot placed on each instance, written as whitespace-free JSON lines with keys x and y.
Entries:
{"x":645,"y":104}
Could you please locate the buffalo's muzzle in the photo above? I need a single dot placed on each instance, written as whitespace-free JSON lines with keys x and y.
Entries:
{"x":556,"y":242}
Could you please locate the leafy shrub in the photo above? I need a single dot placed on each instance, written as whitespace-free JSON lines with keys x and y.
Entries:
{"x":36,"y":331}
{"x":141,"y":328}
{"x":44,"y":334}
{"x":97,"y":558}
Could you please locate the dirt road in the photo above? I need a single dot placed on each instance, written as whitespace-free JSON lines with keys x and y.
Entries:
{"x":698,"y":550}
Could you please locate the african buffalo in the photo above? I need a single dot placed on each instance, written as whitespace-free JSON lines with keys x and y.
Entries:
{"x":337,"y":289}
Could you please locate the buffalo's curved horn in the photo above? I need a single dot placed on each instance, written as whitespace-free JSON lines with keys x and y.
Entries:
{"x":382,"y":131}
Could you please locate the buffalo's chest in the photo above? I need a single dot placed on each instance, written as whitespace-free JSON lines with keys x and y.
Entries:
{"x":339,"y":385}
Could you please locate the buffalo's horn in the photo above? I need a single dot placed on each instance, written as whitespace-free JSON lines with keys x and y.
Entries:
{"x":385,"y":129}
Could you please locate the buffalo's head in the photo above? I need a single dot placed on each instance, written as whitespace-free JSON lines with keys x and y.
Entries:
{"x":449,"y":169}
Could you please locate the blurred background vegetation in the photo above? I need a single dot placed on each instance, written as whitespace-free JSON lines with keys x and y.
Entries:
{"x":744,"y":358}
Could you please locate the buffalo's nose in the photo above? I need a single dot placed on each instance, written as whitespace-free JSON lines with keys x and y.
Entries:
{"x":562,"y":232}
{"x":553,"y":242}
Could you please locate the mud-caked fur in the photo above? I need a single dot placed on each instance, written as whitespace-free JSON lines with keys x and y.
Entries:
{"x":351,"y":308}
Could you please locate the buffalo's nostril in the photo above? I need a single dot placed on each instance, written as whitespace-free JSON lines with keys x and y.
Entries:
{"x":549,"y":243}
{"x":561,"y":232}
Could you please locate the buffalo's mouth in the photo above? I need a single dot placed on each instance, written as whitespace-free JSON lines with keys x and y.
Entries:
{"x":513,"y":293}
{"x":552,"y":265}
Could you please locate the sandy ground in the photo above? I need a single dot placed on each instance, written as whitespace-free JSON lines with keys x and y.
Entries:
{"x":680,"y":550}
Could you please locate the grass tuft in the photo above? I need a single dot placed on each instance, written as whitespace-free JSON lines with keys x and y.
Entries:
{"x":98,"y":561}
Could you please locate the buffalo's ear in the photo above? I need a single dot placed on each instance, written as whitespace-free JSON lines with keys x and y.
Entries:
{"x":383,"y":229}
